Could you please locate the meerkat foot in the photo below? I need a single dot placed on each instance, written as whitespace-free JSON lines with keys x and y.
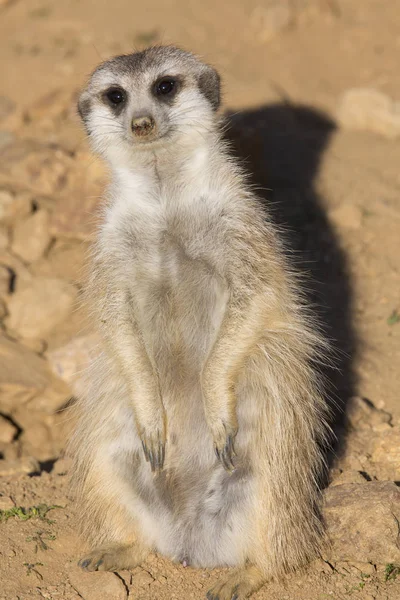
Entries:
{"x":241,"y":584}
{"x":113,"y":558}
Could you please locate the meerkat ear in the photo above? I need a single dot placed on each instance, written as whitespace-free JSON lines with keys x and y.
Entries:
{"x":210,"y":86}
{"x":84,"y":106}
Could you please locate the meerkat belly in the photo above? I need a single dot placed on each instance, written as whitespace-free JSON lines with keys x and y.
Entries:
{"x":193,"y":510}
{"x":180,"y":304}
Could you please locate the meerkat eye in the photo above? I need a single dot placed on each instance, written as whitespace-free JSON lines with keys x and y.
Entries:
{"x":115,"y":95}
{"x":165,"y":86}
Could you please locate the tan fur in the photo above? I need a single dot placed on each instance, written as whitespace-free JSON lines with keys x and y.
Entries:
{"x":207,"y":348}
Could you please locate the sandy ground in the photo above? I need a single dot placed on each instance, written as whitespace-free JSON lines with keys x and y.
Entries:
{"x":333,"y":184}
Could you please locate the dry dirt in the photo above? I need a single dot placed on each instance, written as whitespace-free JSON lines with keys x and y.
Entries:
{"x":313,"y":90}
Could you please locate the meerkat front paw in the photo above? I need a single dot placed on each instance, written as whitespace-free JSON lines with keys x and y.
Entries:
{"x":151,"y":427}
{"x":153,"y":444}
{"x":224,"y":437}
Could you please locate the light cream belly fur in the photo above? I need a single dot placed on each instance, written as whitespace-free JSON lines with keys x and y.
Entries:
{"x":192,"y":509}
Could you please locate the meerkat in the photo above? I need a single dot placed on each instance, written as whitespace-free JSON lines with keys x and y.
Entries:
{"x":201,"y":431}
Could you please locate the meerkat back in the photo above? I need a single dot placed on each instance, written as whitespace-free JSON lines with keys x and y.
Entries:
{"x":199,"y":435}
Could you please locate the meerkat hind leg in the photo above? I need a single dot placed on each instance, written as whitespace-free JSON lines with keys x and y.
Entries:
{"x":114,"y":557}
{"x":239,"y":585}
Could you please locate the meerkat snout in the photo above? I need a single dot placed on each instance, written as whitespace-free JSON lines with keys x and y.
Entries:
{"x":142,"y":126}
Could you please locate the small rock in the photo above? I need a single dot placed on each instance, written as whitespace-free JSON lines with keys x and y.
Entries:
{"x":6,"y":503}
{"x":8,"y":431}
{"x":4,"y":237}
{"x":142,"y":579}
{"x":3,"y":309}
{"x":79,"y":208}
{"x":22,"y":466}
{"x":62,"y":466}
{"x":37,"y":346}
{"x":52,"y":399}
{"x":349,"y":477}
{"x":31,"y":237}
{"x":6,"y":139}
{"x":361,"y":413}
{"x":386,"y":454}
{"x":36,"y":440}
{"x":13,"y":206}
{"x":43,"y":170}
{"x":346,"y":216}
{"x":39,"y":307}
{"x":70,"y":361}
{"x":24,"y":375}
{"x":97,"y":586}
{"x":366,"y":568}
{"x":369,"y":110}
{"x":21,"y":367}
{"x":5,"y":280}
{"x":20,"y":273}
{"x":11,"y":451}
{"x":362,"y":522}
{"x":55,"y":105}
{"x":65,"y":260}
{"x":7,"y":106}
{"x":271,"y":19}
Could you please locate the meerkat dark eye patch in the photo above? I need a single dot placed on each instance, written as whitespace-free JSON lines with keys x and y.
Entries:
{"x":166,"y":88}
{"x":115,"y":97}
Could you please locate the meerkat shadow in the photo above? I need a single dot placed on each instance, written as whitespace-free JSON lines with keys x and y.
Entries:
{"x":282,"y":145}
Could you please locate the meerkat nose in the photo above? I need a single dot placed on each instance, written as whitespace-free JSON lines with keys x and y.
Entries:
{"x":143,"y":125}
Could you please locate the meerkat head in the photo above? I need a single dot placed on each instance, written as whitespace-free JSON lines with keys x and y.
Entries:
{"x":147,"y":100}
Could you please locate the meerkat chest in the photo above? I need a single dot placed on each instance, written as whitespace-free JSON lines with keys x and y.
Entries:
{"x":174,"y":276}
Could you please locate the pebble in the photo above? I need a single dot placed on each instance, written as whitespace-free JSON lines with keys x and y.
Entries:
{"x":76,"y":214}
{"x":7,"y":106}
{"x":97,"y":586}
{"x":362,"y":522}
{"x":5,"y":280}
{"x":31,"y":236}
{"x":3,"y":309}
{"x":367,"y":109}
{"x":363,"y":413}
{"x":26,"y":465}
{"x":14,"y":206}
{"x":386,"y":454}
{"x":350,"y":476}
{"x":142,"y":579}
{"x":64,"y":260}
{"x":366,"y":568}
{"x":271,"y":18}
{"x":8,"y":431}
{"x":39,"y":307}
{"x":6,"y":503}
{"x":43,"y":170}
{"x":36,"y":439}
{"x":6,"y":138}
{"x":4,"y":237}
{"x":62,"y":466}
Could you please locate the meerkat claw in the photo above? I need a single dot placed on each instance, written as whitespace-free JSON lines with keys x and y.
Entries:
{"x":227,"y":454}
{"x":154,"y":454}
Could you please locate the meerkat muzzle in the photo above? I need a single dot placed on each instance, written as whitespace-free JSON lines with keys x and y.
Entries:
{"x":142,"y":126}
